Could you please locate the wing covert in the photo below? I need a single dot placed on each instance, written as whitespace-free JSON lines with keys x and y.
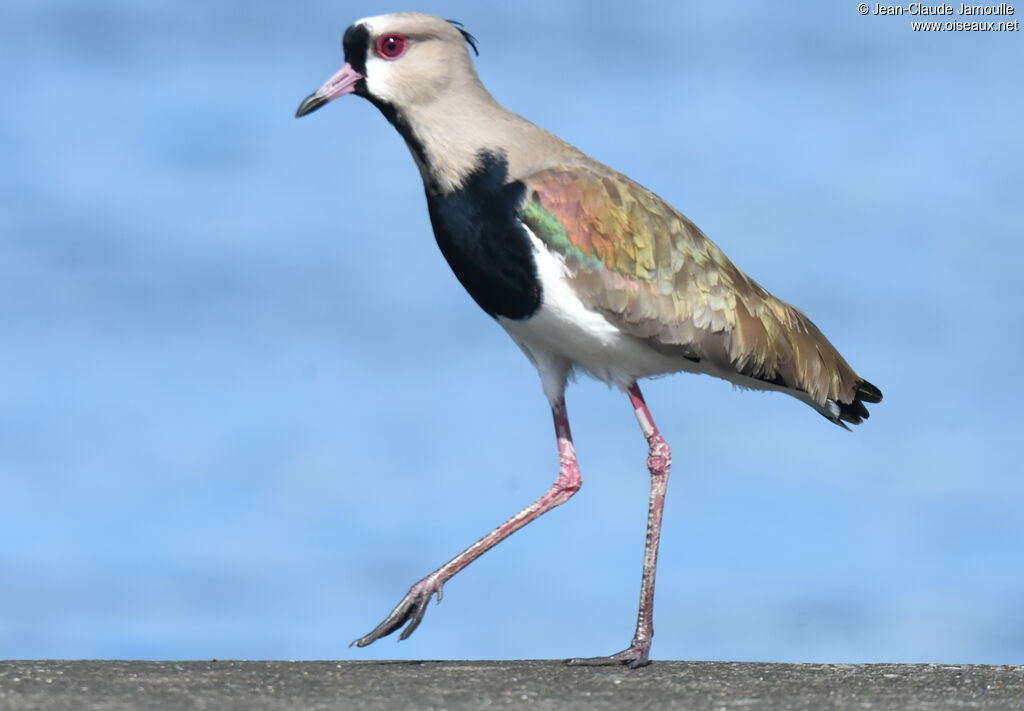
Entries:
{"x":650,"y":271}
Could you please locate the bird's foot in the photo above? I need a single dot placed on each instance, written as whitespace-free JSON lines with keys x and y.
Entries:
{"x":634,"y":657}
{"x":411,"y":609}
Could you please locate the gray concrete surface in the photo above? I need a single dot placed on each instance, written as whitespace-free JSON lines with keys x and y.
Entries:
{"x":229,"y":685}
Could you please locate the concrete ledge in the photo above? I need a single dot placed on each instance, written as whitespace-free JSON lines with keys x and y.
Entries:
{"x":253,"y":686}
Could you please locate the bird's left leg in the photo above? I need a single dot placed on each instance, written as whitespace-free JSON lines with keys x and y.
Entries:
{"x":409,"y":612}
{"x":659,"y":461}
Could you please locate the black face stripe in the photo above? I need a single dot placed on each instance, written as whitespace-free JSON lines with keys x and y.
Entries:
{"x":483,"y":241}
{"x":356,"y":44}
{"x":398,"y":121}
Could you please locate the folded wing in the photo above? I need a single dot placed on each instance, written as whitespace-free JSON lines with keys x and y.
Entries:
{"x":650,"y":271}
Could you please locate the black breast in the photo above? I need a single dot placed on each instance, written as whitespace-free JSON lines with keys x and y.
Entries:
{"x":485,"y":245}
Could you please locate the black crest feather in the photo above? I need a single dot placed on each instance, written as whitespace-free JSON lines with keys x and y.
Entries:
{"x":470,"y":39}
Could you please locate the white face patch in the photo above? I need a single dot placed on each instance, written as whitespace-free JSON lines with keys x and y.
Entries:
{"x":380,"y":80}
{"x":399,"y":81}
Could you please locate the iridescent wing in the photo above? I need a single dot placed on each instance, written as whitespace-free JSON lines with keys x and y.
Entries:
{"x":651,"y":272}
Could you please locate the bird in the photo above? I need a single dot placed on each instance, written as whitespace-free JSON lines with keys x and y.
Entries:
{"x":585,"y":269}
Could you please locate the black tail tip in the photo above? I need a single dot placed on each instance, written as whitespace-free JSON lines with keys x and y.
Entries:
{"x":855,"y":412}
{"x":868,"y":392}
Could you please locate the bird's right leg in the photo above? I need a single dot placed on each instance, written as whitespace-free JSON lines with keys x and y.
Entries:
{"x":412,"y":607}
{"x":659,"y":462}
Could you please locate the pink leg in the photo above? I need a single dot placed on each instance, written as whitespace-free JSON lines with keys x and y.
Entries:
{"x":414,"y":604}
{"x":659,"y":461}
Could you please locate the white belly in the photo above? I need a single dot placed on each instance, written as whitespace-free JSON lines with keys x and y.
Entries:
{"x":564,"y":335}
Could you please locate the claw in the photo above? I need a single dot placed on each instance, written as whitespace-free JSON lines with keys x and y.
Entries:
{"x":417,"y":617}
{"x":410,"y":610}
{"x":634,"y":657}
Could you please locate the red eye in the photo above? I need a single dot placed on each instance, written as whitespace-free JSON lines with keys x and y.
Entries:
{"x":392,"y":46}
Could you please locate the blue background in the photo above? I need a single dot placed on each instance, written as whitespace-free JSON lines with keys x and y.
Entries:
{"x":244,"y":404}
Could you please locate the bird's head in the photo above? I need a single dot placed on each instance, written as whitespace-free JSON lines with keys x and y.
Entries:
{"x":398,"y":60}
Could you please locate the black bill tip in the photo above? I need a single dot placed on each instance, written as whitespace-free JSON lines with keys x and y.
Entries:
{"x":310,"y":104}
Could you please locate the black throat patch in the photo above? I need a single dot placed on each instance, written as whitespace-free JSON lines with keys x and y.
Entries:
{"x":485,"y":245}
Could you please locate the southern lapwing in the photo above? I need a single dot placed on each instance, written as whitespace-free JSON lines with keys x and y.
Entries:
{"x":584,"y":268}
